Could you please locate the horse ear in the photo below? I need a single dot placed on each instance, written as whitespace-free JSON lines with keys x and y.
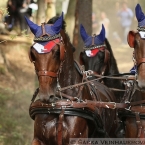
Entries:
{"x":33,"y":27}
{"x":131,"y":38}
{"x":83,"y":33}
{"x":139,"y":14}
{"x":102,"y":34}
{"x":56,"y":27}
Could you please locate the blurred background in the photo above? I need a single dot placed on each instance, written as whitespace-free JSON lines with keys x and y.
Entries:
{"x":17,"y":76}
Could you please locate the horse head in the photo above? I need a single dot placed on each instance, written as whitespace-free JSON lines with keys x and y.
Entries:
{"x":95,"y":56}
{"x":48,"y":55}
{"x":136,"y":40}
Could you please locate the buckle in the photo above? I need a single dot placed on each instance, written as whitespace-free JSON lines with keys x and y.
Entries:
{"x":128,"y":109}
{"x":111,"y":103}
{"x":88,"y":73}
{"x":114,"y":105}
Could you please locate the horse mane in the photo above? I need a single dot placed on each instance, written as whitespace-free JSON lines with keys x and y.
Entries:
{"x":113,"y":63}
{"x":54,"y":19}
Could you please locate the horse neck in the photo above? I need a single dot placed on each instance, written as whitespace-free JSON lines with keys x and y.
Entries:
{"x":69,"y":75}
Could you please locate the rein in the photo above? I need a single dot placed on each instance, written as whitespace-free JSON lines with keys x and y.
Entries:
{"x":90,"y":73}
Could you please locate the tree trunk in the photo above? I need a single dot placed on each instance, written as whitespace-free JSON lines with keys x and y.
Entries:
{"x":83,"y":15}
{"x":41,"y":12}
{"x":70,"y":18}
{"x":50,"y":11}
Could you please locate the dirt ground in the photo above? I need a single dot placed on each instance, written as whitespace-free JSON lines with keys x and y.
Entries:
{"x":20,"y":71}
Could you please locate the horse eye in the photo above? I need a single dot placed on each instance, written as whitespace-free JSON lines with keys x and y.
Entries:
{"x":56,"y":52}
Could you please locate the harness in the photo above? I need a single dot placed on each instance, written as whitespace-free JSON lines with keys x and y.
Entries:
{"x":67,"y":104}
{"x":141,"y":60}
{"x":136,"y":110}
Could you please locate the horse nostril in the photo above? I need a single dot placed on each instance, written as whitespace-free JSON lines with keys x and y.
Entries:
{"x":51,"y":96}
{"x":53,"y":99}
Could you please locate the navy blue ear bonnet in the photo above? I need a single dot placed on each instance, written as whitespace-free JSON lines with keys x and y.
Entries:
{"x":49,"y":29}
{"x":140,"y":16}
{"x":98,"y":39}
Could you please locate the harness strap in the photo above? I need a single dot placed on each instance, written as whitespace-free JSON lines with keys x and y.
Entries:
{"x":62,"y":50}
{"x":140,"y":109}
{"x":140,"y":61}
{"x":60,"y":128}
{"x":91,"y":105}
{"x":43,"y":29}
{"x":47,"y":73}
{"x":93,"y":39}
{"x":35,"y":95}
{"x":67,"y":96}
{"x":137,"y":103}
{"x":139,"y":126}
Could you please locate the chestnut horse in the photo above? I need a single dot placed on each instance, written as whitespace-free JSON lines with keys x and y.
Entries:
{"x":135,"y":125}
{"x":60,"y":115}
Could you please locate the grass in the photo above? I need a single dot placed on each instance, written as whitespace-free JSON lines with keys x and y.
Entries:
{"x":16,"y":127}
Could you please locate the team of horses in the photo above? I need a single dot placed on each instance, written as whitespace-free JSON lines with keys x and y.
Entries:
{"x":94,"y":101}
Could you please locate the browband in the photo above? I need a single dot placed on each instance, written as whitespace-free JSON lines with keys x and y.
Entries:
{"x":94,"y":47}
{"x":141,"y":29}
{"x":48,"y":38}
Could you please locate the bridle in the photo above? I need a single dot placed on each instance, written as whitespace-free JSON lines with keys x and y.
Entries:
{"x":101,"y":48}
{"x":46,"y":37}
{"x":138,"y":62}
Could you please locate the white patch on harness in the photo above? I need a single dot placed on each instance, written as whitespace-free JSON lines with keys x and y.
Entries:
{"x":142,"y":34}
{"x":88,"y":53}
{"x":39,"y":48}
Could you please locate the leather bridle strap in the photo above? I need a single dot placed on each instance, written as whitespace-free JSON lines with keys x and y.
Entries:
{"x":60,"y":128}
{"x":139,"y":126}
{"x":47,"y":73}
{"x":62,"y":51}
{"x":43,"y":29}
{"x":140,"y":61}
{"x":93,"y":39}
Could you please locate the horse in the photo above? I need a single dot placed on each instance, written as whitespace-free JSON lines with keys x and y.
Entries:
{"x":135,"y":122}
{"x":102,"y":61}
{"x":133,"y":116}
{"x":67,"y":107}
{"x":99,"y":60}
